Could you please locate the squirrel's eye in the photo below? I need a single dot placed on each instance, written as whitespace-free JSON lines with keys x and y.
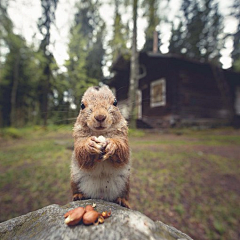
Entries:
{"x":115,"y":102}
{"x":82,"y":106}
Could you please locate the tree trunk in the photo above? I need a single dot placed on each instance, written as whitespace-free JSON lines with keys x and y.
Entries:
{"x":46,"y":91}
{"x":13,"y":117}
{"x":134,"y":71}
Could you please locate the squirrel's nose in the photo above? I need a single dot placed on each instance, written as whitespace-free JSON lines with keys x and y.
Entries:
{"x":100,"y":117}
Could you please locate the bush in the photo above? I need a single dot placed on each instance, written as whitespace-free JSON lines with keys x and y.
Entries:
{"x":11,"y":133}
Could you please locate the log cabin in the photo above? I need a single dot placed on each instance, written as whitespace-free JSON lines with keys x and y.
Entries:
{"x":176,"y":91}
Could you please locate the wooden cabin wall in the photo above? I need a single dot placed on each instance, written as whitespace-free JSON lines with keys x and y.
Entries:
{"x":155,"y":70}
{"x":121,"y":84}
{"x":192,"y":92}
{"x":200,"y":97}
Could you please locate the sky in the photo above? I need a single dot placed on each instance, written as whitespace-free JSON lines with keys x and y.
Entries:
{"x":25,"y":13}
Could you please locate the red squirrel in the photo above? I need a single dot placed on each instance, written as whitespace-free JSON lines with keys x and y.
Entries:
{"x":100,"y":166}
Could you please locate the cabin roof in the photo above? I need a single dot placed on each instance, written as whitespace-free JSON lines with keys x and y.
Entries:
{"x":122,"y":63}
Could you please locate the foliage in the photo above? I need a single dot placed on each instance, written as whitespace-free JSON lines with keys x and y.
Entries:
{"x":198,"y":32}
{"x":236,"y":36}
{"x":151,"y":8}
{"x":44,"y":26}
{"x":18,"y":78}
{"x":118,"y":43}
{"x":33,"y":89}
{"x":10,"y":133}
{"x":85,"y":50}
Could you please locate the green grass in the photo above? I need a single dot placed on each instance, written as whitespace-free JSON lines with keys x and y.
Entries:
{"x":34,"y":172}
{"x":185,"y":178}
{"x":195,"y":191}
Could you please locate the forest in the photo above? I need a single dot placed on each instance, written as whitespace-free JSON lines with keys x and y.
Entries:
{"x":34,"y":90}
{"x":187,"y":178}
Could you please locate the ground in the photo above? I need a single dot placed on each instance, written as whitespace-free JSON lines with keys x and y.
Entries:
{"x":185,"y":178}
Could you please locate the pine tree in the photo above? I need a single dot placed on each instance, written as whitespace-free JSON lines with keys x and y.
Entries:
{"x":18,"y":75}
{"x":134,"y":69}
{"x":118,"y":43}
{"x":236,"y":36}
{"x":151,"y":8}
{"x":198,"y":33}
{"x":85,"y":49}
{"x":176,"y":40}
{"x":44,"y":26}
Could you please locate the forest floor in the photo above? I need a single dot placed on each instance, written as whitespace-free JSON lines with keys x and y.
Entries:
{"x":189,"y":179}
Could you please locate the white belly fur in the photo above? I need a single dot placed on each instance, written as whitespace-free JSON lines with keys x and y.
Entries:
{"x":104,"y":181}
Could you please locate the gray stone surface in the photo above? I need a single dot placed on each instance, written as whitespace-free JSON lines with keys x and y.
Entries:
{"x":48,"y":223}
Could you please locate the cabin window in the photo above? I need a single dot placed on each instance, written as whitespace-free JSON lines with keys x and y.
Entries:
{"x":158,"y":93}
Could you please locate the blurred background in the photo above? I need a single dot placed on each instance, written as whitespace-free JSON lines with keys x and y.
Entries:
{"x":183,"y":107}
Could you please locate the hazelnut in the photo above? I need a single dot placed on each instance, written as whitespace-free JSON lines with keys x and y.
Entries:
{"x":89,"y":208}
{"x":101,"y":219}
{"x":101,"y":139}
{"x":74,"y":216}
{"x":90,"y":217}
{"x":106,"y":214}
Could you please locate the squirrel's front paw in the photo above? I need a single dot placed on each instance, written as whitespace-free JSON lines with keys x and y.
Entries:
{"x":110,"y":149}
{"x":92,"y":146}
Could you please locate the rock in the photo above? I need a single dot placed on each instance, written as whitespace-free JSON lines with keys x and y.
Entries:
{"x":48,"y":223}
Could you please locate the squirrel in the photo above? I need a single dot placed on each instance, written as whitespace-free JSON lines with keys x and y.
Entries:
{"x":100,"y":166}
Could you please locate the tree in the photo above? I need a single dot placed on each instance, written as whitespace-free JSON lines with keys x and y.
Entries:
{"x":18,"y":74}
{"x":151,"y":8}
{"x":44,"y":26}
{"x":76,"y":64}
{"x":198,"y":35}
{"x":176,"y":40}
{"x":211,"y":41}
{"x":18,"y":82}
{"x":85,"y":49}
{"x":134,"y":69}
{"x":118,"y":43}
{"x":236,"y":36}
{"x":94,"y":59}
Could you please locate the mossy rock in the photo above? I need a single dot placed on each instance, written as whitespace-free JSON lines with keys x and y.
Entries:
{"x":48,"y":223}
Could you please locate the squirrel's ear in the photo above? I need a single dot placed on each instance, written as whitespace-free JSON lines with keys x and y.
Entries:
{"x":82,"y":105}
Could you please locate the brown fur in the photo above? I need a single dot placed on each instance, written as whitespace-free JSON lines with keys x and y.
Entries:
{"x":89,"y":125}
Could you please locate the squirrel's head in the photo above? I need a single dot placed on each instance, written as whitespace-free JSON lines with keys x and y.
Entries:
{"x":99,"y":111}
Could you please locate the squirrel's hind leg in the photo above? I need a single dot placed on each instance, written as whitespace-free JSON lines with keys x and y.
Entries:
{"x":123,"y":202}
{"x":77,"y":195}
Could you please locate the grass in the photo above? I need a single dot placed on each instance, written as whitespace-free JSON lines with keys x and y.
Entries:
{"x":186,"y":178}
{"x":33,"y":169}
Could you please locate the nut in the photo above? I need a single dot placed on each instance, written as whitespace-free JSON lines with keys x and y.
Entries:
{"x":90,"y":217}
{"x":87,"y":214}
{"x":101,"y":139}
{"x":74,"y":216}
{"x":106,"y":214}
{"x":89,"y":208}
{"x":101,"y":219}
